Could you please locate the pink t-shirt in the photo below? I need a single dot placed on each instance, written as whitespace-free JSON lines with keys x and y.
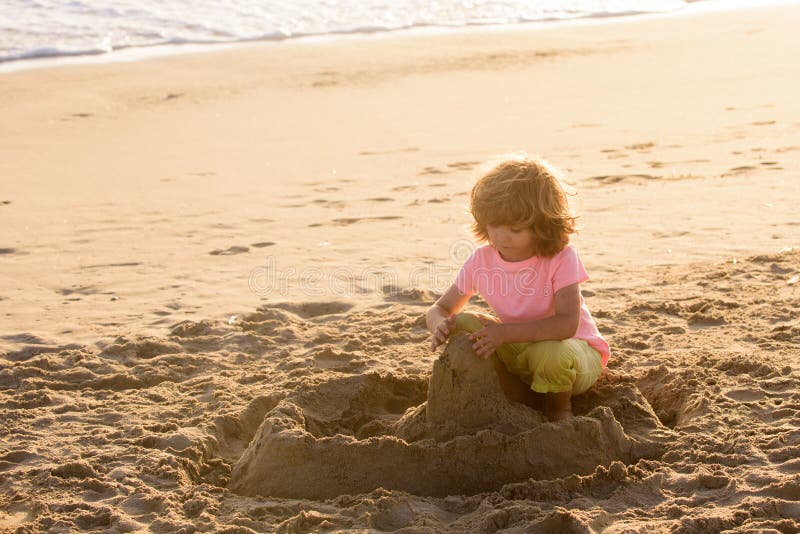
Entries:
{"x":524,"y":291}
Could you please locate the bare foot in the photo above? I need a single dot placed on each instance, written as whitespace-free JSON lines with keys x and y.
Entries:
{"x":558,"y":406}
{"x":558,"y":415}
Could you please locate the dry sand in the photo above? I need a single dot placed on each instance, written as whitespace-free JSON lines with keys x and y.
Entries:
{"x":214,"y":270}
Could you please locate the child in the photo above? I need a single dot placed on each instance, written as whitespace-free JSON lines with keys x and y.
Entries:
{"x":530,"y":276}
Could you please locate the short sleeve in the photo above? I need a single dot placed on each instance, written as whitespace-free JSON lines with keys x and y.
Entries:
{"x":568,"y":269}
{"x":465,"y":280}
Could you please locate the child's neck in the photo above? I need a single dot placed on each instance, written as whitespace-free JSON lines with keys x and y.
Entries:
{"x":513,"y":259}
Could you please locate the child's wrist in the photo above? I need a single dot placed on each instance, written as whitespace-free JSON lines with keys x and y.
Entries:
{"x":504,"y":333}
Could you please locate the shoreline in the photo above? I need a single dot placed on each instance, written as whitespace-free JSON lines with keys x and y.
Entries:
{"x":155,"y":51}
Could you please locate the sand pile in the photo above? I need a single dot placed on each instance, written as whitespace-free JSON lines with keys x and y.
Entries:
{"x":468,"y":437}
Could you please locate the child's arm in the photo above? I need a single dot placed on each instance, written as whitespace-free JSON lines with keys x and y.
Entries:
{"x":440,"y":317}
{"x":562,"y":325}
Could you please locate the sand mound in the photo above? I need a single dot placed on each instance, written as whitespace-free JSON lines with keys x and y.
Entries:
{"x":466,"y":438}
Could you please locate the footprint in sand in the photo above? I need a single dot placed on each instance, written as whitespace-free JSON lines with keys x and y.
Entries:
{"x":613,"y":153}
{"x":334,"y":204}
{"x":735,"y":171}
{"x":463,"y":165}
{"x":230,"y":251}
{"x":24,"y":337}
{"x":4,"y":202}
{"x":660,"y":164}
{"x":745,"y":395}
{"x":104,"y":265}
{"x":18,"y":457}
{"x":385,"y":152}
{"x":347,"y":221}
{"x":326,"y":80}
{"x":641,"y":146}
{"x":772,"y":165}
{"x":623,"y":178}
{"x":76,"y":116}
{"x":328,"y":357}
{"x":81,"y":290}
{"x":677,"y":233}
{"x":76,"y":469}
{"x":262,"y":244}
{"x":781,"y":150}
{"x":7,"y":250}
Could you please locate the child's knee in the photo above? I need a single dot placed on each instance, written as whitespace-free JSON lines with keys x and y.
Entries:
{"x":553,"y":367}
{"x":467,"y":322}
{"x":560,"y":366}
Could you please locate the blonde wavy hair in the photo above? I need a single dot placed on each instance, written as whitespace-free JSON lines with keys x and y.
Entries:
{"x":524,"y":191}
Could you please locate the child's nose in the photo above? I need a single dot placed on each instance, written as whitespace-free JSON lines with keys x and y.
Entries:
{"x":503,"y":235}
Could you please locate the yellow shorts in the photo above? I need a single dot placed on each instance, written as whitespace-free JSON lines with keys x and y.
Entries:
{"x":547,"y":366}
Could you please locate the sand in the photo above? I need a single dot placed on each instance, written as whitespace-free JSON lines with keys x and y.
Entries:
{"x":466,"y":438}
{"x":215,"y":269}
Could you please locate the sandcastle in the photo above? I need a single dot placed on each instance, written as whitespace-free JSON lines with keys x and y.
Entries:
{"x":468,"y":437}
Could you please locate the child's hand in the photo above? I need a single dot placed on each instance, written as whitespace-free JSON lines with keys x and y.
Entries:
{"x":487,"y":339}
{"x":443,"y":331}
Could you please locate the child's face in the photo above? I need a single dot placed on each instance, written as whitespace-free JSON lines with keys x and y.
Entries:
{"x":513,"y":242}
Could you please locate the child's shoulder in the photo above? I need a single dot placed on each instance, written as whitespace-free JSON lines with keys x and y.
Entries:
{"x":569,"y":250}
{"x":568,"y":254}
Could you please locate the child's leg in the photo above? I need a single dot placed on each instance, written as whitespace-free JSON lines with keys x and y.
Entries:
{"x":551,"y":365}
{"x":514,"y":388}
{"x":561,"y":369}
{"x":558,"y":406}
{"x":560,"y":366}
{"x":468,"y":322}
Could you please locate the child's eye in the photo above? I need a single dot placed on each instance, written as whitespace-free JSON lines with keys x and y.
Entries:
{"x":517,"y":230}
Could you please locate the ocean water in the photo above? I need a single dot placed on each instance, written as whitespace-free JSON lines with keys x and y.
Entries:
{"x":31,"y":29}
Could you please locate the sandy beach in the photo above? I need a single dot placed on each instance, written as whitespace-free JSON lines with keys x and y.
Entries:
{"x":214,"y":270}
